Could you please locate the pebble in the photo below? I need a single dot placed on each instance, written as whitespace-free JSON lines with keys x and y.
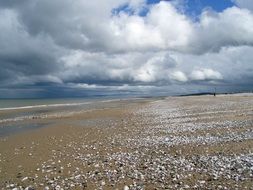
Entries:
{"x":143,"y":156}
{"x":29,"y":188}
{"x":103,"y":183}
{"x":24,"y":179}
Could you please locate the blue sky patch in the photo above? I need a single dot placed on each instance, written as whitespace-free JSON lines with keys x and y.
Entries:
{"x":192,"y":7}
{"x":195,"y":7}
{"x":123,"y":8}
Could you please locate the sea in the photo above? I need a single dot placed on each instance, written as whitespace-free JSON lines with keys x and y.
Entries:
{"x":8,"y":104}
{"x":19,"y":115}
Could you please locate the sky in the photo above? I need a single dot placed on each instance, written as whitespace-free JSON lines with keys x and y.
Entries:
{"x":124,"y":47}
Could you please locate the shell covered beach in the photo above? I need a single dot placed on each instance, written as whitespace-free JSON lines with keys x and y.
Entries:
{"x":192,"y":142}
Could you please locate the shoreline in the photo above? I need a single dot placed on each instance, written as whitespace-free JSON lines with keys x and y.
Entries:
{"x":90,"y":101}
{"x":167,"y":143}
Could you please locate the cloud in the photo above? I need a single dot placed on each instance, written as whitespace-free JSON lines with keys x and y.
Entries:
{"x":21,"y":55}
{"x":247,"y":4}
{"x":124,"y":68}
{"x":54,"y":43}
{"x":205,"y":74}
{"x":88,"y":27}
{"x":232,"y":27}
{"x":179,"y":76}
{"x":157,"y":68}
{"x":163,"y":28}
{"x":233,"y":63}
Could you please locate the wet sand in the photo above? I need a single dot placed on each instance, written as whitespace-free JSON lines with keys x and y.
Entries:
{"x":200,"y":142}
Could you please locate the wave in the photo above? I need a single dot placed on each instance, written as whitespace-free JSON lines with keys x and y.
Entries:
{"x":66,"y":104}
{"x":61,"y":114}
{"x":39,"y":116}
{"x":44,"y":106}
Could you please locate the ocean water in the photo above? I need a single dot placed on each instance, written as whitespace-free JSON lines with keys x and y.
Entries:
{"x":20,"y":108}
{"x":7,"y":104}
{"x":14,"y":128}
{"x":18,"y":115}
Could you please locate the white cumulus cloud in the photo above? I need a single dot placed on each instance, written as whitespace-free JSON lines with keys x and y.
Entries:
{"x":99,"y":43}
{"x":205,"y":74}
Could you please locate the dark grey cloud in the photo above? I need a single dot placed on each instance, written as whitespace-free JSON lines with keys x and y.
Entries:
{"x":48,"y":46}
{"x":22,"y":55}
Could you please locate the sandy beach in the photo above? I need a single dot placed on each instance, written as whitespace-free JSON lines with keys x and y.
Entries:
{"x":194,"y":142}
